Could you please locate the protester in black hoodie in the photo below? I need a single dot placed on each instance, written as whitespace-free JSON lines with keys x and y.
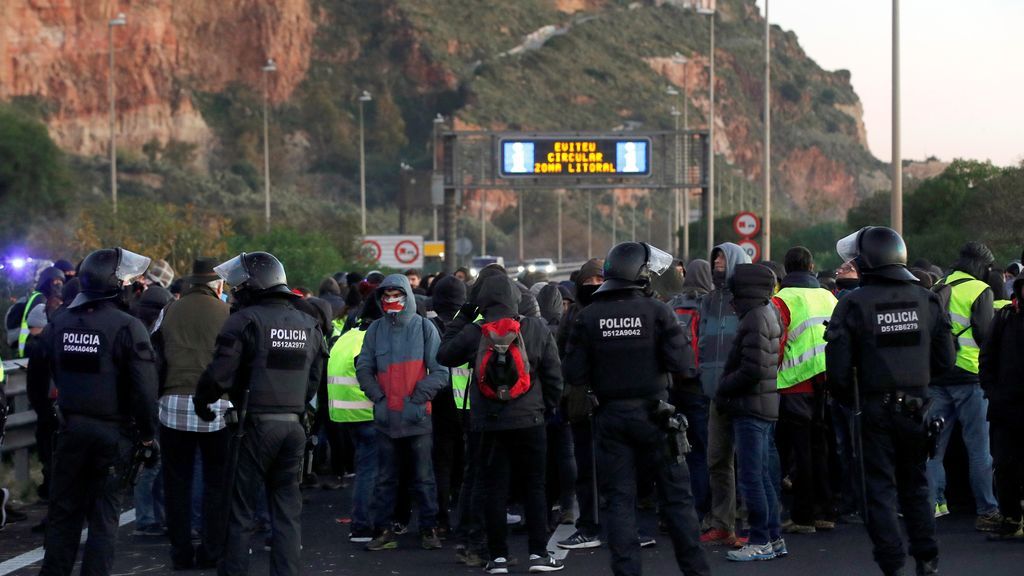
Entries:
{"x":448,"y":296}
{"x":748,"y":393}
{"x":578,"y":410}
{"x":512,"y":431}
{"x":1002,"y":364}
{"x":687,"y":394}
{"x":471,"y":540}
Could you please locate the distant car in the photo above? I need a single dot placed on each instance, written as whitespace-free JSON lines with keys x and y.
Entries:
{"x":480,"y":262}
{"x":545,"y":265}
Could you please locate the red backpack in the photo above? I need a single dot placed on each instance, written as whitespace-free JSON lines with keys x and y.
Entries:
{"x":687,"y":311}
{"x":502,"y":367}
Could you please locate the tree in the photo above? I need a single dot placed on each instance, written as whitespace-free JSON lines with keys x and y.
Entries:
{"x":33,"y":174}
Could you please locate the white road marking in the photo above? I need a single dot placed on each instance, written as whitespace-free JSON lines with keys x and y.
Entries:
{"x":32,"y":556}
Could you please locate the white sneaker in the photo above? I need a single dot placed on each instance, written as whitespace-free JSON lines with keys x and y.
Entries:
{"x":512,"y":519}
{"x":752,"y":552}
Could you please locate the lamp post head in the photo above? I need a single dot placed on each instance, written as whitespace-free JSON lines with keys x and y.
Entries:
{"x":270,"y":66}
{"x":705,"y":11}
{"x":678,"y":58}
{"x":119,"y":21}
{"x":439,"y":119}
{"x":675,"y":111}
{"x":671,"y":90}
{"x":365,"y":96}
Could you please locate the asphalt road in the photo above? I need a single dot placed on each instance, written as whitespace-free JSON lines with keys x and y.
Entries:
{"x":843,"y":552}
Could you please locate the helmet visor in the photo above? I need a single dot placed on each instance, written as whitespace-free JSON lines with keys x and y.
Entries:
{"x":233,"y":271}
{"x":658,"y":261}
{"x":847,"y":247}
{"x":130,"y":265}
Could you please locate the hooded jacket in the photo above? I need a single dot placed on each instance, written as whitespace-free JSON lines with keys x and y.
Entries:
{"x":698,"y":281}
{"x":583,"y":296}
{"x":748,"y":386}
{"x":550,"y":301}
{"x":718,"y":320}
{"x":398,"y":366}
{"x":1002,"y":362}
{"x":497,"y":298}
{"x":449,"y":294}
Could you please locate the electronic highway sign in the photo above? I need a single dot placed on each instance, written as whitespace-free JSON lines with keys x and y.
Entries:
{"x":574,"y":157}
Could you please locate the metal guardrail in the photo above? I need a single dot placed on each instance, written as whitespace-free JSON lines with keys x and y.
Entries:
{"x":21,"y":424}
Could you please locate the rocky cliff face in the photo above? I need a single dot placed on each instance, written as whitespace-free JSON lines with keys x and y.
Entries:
{"x":600,"y":64}
{"x":58,"y":51}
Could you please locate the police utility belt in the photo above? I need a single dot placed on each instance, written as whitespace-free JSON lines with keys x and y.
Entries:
{"x":910,"y":405}
{"x":231,"y":417}
{"x":665,"y":415}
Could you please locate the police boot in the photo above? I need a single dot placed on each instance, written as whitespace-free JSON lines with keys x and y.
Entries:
{"x":928,"y":567}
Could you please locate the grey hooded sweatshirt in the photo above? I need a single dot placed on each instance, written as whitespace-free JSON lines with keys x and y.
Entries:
{"x":718,"y":320}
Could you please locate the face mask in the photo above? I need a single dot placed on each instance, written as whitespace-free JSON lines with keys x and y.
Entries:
{"x":585,"y":293}
{"x":393,"y":304}
{"x":718,"y":277}
{"x":847,"y":283}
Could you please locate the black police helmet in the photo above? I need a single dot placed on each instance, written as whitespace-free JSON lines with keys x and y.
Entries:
{"x":625,"y":267}
{"x":103,"y":273}
{"x":881,"y":251}
{"x":255,"y":272}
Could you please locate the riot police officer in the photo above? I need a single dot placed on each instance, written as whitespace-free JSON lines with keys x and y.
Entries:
{"x":624,"y":345}
{"x":102,"y":363}
{"x":269,"y":359}
{"x":889,"y":338}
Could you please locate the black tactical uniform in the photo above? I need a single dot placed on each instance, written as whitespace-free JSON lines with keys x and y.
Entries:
{"x":890,"y":337}
{"x":624,"y":345}
{"x":102,"y":363}
{"x":269,"y":359}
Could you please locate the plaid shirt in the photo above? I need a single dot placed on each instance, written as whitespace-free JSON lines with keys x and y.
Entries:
{"x":177,"y":412}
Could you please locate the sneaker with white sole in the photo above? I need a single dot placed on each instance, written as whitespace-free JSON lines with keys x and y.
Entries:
{"x":751,"y":552}
{"x":497,"y":566}
{"x":512,"y":519}
{"x":579,"y":541}
{"x":545,"y":564}
{"x":646,"y":541}
{"x":941,"y":510}
{"x":779,"y":548}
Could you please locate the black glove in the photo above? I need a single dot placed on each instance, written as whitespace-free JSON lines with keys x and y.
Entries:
{"x":203,"y":411}
{"x":468,"y":312}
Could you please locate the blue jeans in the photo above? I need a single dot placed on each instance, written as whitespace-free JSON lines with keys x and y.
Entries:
{"x":149,"y":498}
{"x":364,"y":439}
{"x":197,"y":493}
{"x":966,"y":403}
{"x":419,"y":450}
{"x":754,"y":454}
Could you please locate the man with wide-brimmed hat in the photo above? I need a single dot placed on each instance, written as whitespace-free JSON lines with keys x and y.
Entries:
{"x":185,"y":341}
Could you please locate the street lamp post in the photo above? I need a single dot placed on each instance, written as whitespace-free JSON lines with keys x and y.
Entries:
{"x":711,"y":132}
{"x":119,"y":21}
{"x":766,"y":236}
{"x":897,"y":157}
{"x":672,"y":245}
{"x":269,"y":67}
{"x":590,"y":224}
{"x":363,"y":99}
{"x":438,"y":124}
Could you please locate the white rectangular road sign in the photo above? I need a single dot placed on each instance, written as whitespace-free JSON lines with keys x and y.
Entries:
{"x":399,"y":252}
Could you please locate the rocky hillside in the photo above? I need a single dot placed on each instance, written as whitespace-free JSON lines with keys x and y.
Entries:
{"x":189,"y":74}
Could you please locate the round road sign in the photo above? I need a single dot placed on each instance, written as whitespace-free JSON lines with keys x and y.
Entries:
{"x":746,"y":224}
{"x":752,"y":248}
{"x":407,"y":251}
{"x":371,"y":249}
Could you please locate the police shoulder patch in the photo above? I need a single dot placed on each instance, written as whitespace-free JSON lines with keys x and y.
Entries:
{"x":896,"y":324}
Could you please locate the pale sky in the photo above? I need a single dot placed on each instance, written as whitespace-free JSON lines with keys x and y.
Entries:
{"x":962,"y":82}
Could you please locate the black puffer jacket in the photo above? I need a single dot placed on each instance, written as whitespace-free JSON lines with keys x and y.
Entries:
{"x":748,"y":386}
{"x":498,"y":298}
{"x":1002,"y":361}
